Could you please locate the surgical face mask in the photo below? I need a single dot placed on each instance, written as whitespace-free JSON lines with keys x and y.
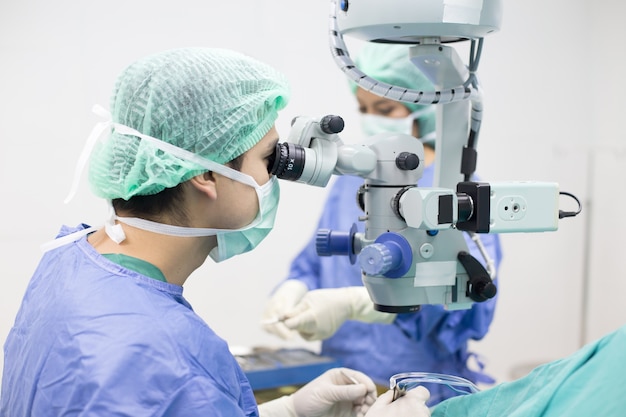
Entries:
{"x":236,"y":242}
{"x":230,"y":242}
{"x":373,"y":124}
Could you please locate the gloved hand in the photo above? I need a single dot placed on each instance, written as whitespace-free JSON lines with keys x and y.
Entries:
{"x":335,"y":393}
{"x":321,"y":312}
{"x":286,"y":296}
{"x":338,"y":392}
{"x":411,"y":404}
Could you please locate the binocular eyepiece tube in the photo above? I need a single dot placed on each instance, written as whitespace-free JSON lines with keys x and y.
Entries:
{"x":314,"y":163}
{"x":288,"y":161}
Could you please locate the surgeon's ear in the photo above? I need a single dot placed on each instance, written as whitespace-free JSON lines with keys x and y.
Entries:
{"x":205,"y":184}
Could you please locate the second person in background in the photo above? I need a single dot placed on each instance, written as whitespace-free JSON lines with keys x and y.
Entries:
{"x":325,"y":297}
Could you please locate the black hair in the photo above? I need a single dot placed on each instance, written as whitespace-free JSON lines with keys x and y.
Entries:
{"x":151,"y":207}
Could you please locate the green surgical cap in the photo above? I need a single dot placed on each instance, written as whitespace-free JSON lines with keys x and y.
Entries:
{"x":213,"y":102}
{"x":390,"y":64}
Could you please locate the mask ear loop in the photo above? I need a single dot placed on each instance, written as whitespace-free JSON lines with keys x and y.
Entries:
{"x":429,"y":137}
{"x":421,"y":112}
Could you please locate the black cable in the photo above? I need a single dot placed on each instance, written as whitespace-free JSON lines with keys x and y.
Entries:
{"x":563,"y":214}
{"x":468,"y":163}
{"x":476,"y":49}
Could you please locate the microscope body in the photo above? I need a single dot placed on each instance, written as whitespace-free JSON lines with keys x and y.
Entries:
{"x":425,"y":269}
{"x":413,"y":251}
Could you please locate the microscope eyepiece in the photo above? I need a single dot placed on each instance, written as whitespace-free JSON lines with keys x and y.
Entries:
{"x":288,"y":162}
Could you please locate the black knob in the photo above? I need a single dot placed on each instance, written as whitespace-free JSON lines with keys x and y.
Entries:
{"x":487,"y":289}
{"x":480,"y":287}
{"x":331,"y":124}
{"x":407,"y":161}
{"x":395,"y":202}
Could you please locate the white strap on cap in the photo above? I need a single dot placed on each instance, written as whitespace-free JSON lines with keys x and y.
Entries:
{"x":189,"y":156}
{"x":96,"y":133}
{"x":102,"y":127}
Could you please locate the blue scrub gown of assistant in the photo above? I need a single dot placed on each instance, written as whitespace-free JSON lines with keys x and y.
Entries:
{"x":591,"y":382}
{"x":431,"y":340}
{"x":95,"y":338}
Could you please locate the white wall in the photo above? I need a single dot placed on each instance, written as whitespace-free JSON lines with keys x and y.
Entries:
{"x":552,"y":79}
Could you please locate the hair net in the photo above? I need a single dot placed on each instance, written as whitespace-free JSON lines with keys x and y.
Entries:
{"x":213,"y":102}
{"x":390,"y":64}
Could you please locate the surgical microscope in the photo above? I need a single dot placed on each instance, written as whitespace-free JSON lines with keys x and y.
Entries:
{"x":413,"y":251}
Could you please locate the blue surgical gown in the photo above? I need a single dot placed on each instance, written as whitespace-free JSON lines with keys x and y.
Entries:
{"x":94,"y":338}
{"x":591,"y":382}
{"x":431,"y":340}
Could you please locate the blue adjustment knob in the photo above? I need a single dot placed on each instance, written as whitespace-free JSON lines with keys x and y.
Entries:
{"x":390,"y":255}
{"x":376,"y":259}
{"x":330,"y":242}
{"x":322,"y":242}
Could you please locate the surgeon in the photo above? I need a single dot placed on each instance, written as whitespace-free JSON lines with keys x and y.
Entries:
{"x":589,"y":382}
{"x":104,"y":328}
{"x":323,"y":298}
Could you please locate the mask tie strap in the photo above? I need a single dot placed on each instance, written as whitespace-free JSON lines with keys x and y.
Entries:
{"x":94,"y":136}
{"x":62,"y":241}
{"x":112,"y":229}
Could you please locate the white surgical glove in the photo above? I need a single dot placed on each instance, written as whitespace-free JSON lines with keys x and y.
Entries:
{"x":280,"y":407}
{"x":286,"y":296}
{"x":411,"y":404}
{"x":338,"y":392}
{"x":321,"y":312}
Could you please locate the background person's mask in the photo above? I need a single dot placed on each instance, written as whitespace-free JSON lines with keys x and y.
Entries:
{"x":373,"y":124}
